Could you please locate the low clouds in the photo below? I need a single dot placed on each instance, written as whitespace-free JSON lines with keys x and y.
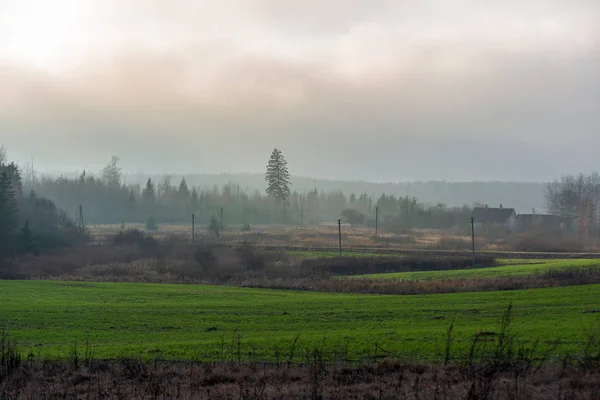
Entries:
{"x":379,"y":90}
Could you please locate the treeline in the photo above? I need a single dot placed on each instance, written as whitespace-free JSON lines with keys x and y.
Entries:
{"x":108,"y":200}
{"x":399,"y":213}
{"x":29,"y":224}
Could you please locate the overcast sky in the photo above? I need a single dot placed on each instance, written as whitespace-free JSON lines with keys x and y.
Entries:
{"x":383,"y":90}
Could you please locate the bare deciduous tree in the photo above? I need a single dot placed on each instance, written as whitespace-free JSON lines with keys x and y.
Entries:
{"x":565,"y":197}
{"x":3,"y":155}
{"x":112,"y":173}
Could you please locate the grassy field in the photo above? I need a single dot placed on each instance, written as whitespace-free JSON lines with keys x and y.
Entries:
{"x":204,"y":322}
{"x":322,"y":235}
{"x":527,"y":268}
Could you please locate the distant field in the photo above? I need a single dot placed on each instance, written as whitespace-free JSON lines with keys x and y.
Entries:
{"x":200,"y":322}
{"x":512,"y":269}
{"x":322,"y":235}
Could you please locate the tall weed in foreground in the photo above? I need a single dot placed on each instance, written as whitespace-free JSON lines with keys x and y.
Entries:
{"x":10,"y":358}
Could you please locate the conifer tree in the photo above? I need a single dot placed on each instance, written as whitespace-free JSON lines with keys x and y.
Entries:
{"x":183,"y":190}
{"x":25,"y":241}
{"x":195,"y":200}
{"x":9,"y":216}
{"x":149,"y":192}
{"x":278,"y":177}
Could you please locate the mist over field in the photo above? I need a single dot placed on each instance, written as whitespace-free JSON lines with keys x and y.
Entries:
{"x":299,"y":199}
{"x":363,"y":90}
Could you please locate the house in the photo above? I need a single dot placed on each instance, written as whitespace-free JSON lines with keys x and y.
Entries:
{"x":552,"y":224}
{"x":488,"y":218}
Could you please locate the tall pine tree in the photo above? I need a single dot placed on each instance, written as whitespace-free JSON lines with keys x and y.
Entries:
{"x":278,"y":177}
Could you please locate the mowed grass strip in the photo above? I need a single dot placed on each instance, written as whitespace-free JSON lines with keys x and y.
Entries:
{"x":489,"y":272}
{"x":202,"y":322}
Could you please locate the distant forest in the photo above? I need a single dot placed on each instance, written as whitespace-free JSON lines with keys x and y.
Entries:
{"x":113,"y":197}
{"x":522,"y":196}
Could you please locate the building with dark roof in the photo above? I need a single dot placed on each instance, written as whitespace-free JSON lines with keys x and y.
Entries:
{"x":553,"y":224}
{"x":494,"y":218}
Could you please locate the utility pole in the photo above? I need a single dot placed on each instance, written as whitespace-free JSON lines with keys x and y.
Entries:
{"x":81,"y":224}
{"x":376,"y":222}
{"x":340,"y":235}
{"x":473,"y":239}
{"x":193,"y":228}
{"x":221,"y":227}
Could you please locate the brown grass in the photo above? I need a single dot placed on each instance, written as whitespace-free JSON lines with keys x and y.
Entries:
{"x":388,"y":379}
{"x":326,"y":236}
{"x":583,"y":276}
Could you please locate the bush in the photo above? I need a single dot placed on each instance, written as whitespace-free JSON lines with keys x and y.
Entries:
{"x":135,"y":237}
{"x":246,"y":227}
{"x":353,"y":217}
{"x":214,"y":227}
{"x":251,"y":257}
{"x":205,"y":256}
{"x":151,"y":224}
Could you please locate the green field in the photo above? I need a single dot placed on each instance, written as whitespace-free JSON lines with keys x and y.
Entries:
{"x":528,"y":268}
{"x":200,"y":322}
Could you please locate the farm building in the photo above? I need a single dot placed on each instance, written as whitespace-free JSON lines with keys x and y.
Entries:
{"x":553,"y":224}
{"x":488,"y":218}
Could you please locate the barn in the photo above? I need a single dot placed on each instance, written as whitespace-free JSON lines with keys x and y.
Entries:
{"x":490,"y":218}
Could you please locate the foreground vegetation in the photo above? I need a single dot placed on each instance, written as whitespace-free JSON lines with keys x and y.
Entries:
{"x":133,"y":256}
{"x":224,"y":323}
{"x":131,"y":379}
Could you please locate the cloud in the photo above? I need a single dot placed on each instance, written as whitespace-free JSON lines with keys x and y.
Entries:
{"x":353,"y":89}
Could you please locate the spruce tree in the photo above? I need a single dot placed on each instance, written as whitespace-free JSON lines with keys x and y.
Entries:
{"x":149,"y":192}
{"x":25,"y":241}
{"x":183,"y":190}
{"x":278,"y":178}
{"x":9,"y":216}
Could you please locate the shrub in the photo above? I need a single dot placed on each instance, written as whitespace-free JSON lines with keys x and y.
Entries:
{"x":246,"y":227}
{"x":214,"y":227}
{"x":135,"y":237}
{"x":353,"y":217}
{"x":205,"y":256}
{"x":151,"y":224}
